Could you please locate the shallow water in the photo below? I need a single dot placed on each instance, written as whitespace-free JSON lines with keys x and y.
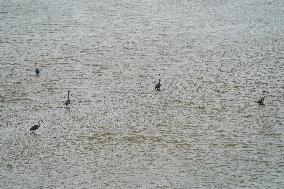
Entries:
{"x":204,"y":128}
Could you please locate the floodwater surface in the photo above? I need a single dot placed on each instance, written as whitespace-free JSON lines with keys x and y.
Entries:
{"x":204,"y":128}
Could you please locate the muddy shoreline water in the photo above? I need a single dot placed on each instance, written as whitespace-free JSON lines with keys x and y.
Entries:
{"x":204,"y":128}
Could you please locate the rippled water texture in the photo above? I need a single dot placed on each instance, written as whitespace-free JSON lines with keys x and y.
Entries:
{"x":204,"y":128}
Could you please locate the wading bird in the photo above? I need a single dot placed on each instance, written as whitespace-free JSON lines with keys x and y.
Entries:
{"x":37,"y":71}
{"x":35,"y":127}
{"x":260,"y":101}
{"x":68,"y":100}
{"x":158,"y":85}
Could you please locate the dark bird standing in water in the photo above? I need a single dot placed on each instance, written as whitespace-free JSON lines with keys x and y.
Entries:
{"x":260,"y":101}
{"x":68,"y":100}
{"x":35,"y":127}
{"x":158,"y":85}
{"x":37,"y":71}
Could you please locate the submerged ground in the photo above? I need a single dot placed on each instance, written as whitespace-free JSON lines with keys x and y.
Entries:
{"x":204,"y":128}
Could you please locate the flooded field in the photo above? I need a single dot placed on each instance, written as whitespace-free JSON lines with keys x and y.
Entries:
{"x":204,"y":128}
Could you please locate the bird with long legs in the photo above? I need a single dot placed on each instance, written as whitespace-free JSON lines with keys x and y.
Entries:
{"x":68,"y":100}
{"x":35,"y":127}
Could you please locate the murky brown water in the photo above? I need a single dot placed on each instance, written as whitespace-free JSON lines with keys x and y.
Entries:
{"x":204,"y":128}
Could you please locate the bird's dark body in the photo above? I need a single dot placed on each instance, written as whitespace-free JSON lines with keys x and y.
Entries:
{"x":68,"y":99}
{"x":158,"y":85}
{"x":35,"y":127}
{"x":67,"y":102}
{"x":37,"y":71}
{"x":260,"y":101}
